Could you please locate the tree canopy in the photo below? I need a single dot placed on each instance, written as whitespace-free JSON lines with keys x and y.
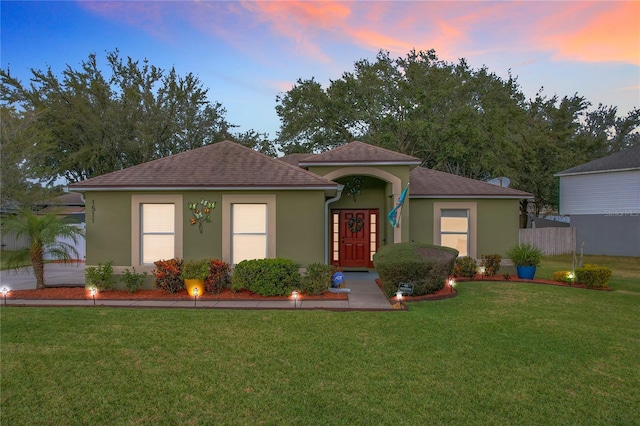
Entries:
{"x":457,"y":119}
{"x":86,"y":122}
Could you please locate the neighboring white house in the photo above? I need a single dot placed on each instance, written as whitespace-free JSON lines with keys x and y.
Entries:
{"x":602,"y":197}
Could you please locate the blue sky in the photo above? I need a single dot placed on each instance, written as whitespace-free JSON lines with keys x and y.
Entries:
{"x":248,"y":52}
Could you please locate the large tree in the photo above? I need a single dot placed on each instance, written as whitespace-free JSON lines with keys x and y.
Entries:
{"x":87,"y":123}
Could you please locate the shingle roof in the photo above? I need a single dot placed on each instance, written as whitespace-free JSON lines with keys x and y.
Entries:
{"x":295,"y":159}
{"x":629,"y":159}
{"x":428,"y":183}
{"x":358,"y":153}
{"x":221,"y":165}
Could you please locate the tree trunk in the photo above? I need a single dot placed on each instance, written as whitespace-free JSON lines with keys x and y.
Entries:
{"x":37,"y":260}
{"x":524,"y":207}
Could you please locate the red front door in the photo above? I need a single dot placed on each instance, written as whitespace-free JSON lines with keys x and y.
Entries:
{"x":355,"y":234}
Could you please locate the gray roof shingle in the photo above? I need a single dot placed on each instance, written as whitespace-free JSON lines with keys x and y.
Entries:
{"x":430,"y":183}
{"x":221,"y":165}
{"x":629,"y":159}
{"x":359,"y":153}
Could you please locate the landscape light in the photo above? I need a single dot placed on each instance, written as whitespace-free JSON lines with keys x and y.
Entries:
{"x":195,"y":295}
{"x":5,"y":290}
{"x":399,"y":296}
{"x":295,"y":298}
{"x":452,"y":282}
{"x":570,"y":277}
{"x":482,"y":271}
{"x":93,"y":294}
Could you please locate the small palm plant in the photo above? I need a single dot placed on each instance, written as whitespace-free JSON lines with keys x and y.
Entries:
{"x":43,"y":233}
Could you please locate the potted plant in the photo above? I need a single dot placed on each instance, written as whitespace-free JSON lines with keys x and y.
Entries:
{"x":526,"y":257}
{"x":194,"y":273}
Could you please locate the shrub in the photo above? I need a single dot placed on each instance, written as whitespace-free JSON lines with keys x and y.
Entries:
{"x":525,"y":255}
{"x":133,"y":280}
{"x":424,"y":265}
{"x":267,"y":277}
{"x":491,"y":263}
{"x":195,"y":270}
{"x":219,"y":276}
{"x":562,"y":276}
{"x":317,"y":279}
{"x":167,"y":273}
{"x":465,"y":267}
{"x":100,"y":276}
{"x":593,"y":275}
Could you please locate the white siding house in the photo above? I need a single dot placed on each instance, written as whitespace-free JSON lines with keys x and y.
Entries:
{"x":602,"y":198}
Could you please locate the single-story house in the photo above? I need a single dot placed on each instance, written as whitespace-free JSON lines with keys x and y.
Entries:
{"x":227,"y":201}
{"x":602,"y":198}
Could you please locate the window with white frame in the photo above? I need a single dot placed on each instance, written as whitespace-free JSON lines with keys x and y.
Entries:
{"x":454,"y":230}
{"x":248,"y":232}
{"x":157,"y":232}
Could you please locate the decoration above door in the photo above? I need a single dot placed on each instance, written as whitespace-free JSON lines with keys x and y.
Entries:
{"x":354,"y":187}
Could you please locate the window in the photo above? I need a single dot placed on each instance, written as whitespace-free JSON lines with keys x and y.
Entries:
{"x":373,"y":230}
{"x":158,"y":232}
{"x":335,"y":242}
{"x":249,"y":232}
{"x":455,"y":225}
{"x":248,"y":227}
{"x":454,"y":229}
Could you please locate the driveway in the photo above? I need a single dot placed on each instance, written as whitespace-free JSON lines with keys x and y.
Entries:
{"x":54,"y":274}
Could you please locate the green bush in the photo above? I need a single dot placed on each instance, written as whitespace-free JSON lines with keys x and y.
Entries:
{"x":317,"y":279}
{"x":562,"y":276}
{"x":424,"y":265}
{"x":491,"y":263}
{"x":133,"y":280}
{"x":593,"y":275}
{"x":167,"y":273}
{"x":267,"y":277}
{"x":465,"y":267}
{"x":100,"y":276}
{"x":219,"y":277}
{"x":195,"y":270}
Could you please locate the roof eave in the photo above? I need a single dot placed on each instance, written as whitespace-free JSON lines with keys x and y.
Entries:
{"x":201,"y":188}
{"x":484,"y":196}
{"x":592,"y":172}
{"x":360,"y":163}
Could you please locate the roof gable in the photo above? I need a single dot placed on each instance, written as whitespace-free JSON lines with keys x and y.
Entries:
{"x":629,"y":159}
{"x":428,"y":183}
{"x":359,"y":153}
{"x":221,"y":165}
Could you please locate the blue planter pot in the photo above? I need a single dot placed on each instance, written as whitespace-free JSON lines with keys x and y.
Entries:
{"x":526,"y":272}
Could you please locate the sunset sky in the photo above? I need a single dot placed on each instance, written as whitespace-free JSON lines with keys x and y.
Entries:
{"x":247,"y":52}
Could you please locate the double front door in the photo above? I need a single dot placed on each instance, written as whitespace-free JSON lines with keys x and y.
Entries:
{"x":355,"y":237}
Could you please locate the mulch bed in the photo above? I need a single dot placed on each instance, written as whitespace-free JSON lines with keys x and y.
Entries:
{"x":75,"y":293}
{"x":447,"y":292}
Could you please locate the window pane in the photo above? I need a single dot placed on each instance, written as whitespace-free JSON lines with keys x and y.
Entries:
{"x":456,"y":241}
{"x":249,"y":218}
{"x":454,"y":224}
{"x":158,"y":218}
{"x":247,"y":247}
{"x":157,"y":247}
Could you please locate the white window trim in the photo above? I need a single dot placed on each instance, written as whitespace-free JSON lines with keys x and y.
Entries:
{"x":228,"y":201}
{"x":473,"y":223}
{"x":136,"y":202}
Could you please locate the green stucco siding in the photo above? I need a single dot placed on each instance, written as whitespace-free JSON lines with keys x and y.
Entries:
{"x":108,"y":232}
{"x":300,"y":226}
{"x":497,"y":223}
{"x":207,"y":244}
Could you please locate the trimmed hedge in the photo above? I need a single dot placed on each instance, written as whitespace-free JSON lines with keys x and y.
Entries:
{"x":465,"y":267}
{"x":267,"y":277}
{"x":491,"y":263}
{"x":593,"y":275}
{"x":426,"y":266}
{"x":317,"y":279}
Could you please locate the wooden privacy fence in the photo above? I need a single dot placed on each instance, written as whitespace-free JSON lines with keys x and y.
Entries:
{"x":552,"y":241}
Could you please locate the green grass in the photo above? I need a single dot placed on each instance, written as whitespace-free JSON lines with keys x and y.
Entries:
{"x":499,"y":353}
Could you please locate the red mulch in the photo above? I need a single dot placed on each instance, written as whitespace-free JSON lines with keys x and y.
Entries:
{"x":66,"y":293}
{"x":447,"y":292}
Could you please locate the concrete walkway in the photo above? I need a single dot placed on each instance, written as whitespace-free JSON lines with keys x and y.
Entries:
{"x":365,"y":293}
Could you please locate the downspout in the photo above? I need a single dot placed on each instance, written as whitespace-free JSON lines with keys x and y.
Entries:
{"x":326,"y":222}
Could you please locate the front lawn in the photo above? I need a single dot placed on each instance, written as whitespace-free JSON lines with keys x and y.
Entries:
{"x":499,"y":353}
